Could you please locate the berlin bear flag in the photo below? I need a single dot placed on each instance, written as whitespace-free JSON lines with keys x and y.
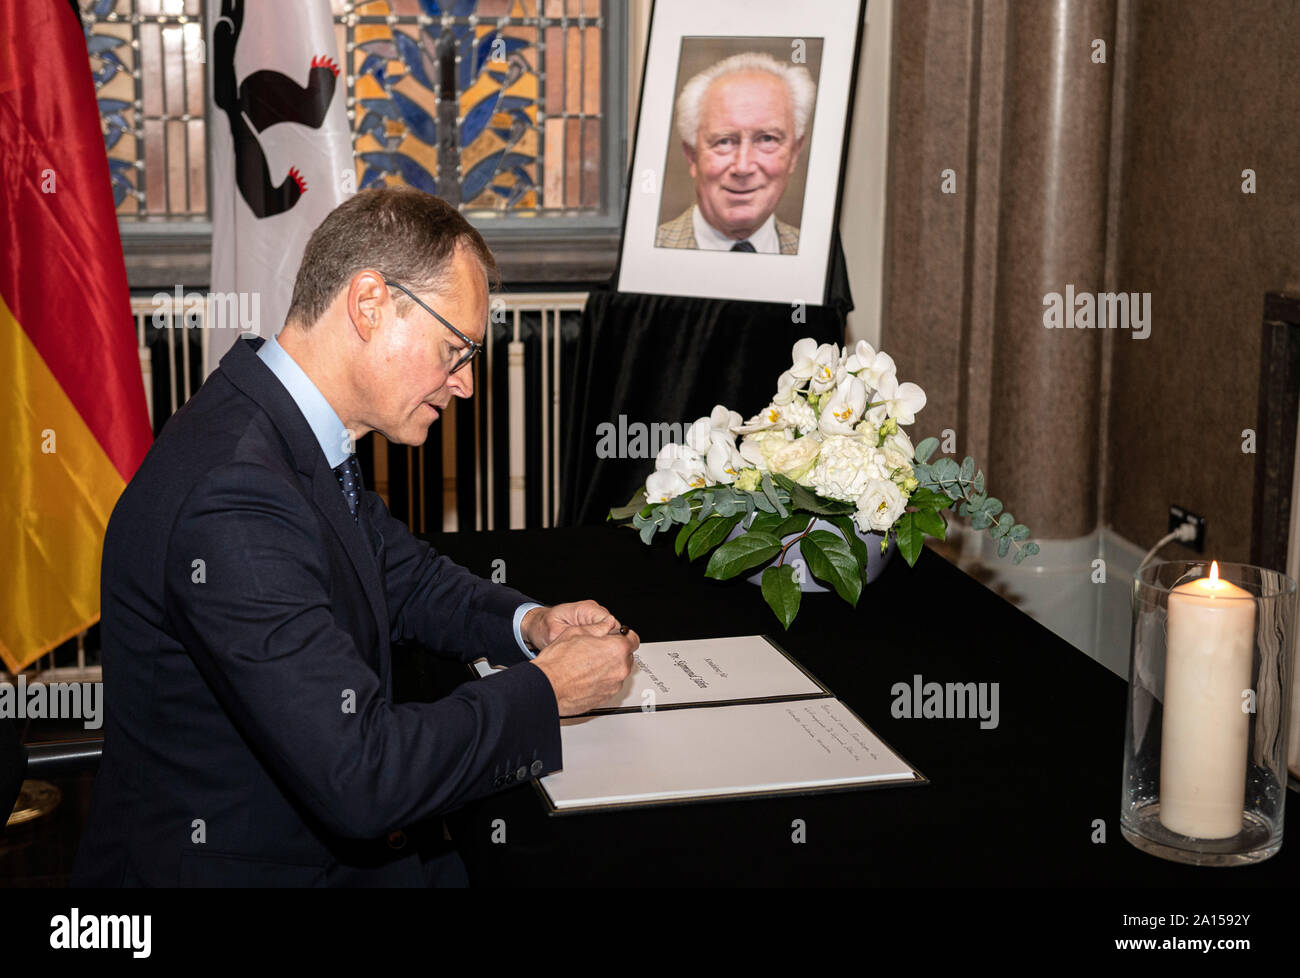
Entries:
{"x":73,"y":419}
{"x":281,"y":154}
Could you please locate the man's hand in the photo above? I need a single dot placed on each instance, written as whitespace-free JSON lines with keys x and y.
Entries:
{"x":587,"y":665}
{"x":542,"y":626}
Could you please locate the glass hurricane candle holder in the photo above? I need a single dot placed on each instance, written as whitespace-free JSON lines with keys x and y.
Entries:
{"x":1205,"y":742}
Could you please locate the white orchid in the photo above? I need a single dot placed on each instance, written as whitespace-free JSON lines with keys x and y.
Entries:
{"x":723,"y":419}
{"x":879,"y":506}
{"x":869,"y":365}
{"x":663,"y":485}
{"x":787,"y":386}
{"x":897,"y":401}
{"x":723,"y":462}
{"x":816,"y":364}
{"x":844,"y":408}
{"x":683,"y":462}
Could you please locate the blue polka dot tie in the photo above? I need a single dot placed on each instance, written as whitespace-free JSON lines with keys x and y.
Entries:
{"x":349,"y":475}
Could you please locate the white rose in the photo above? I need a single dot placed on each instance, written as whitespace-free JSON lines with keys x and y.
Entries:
{"x":796,"y":458}
{"x":879,"y":506}
{"x":758,"y":448}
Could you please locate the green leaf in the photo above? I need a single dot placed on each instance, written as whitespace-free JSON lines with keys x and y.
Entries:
{"x":805,"y":499}
{"x":930,"y":522}
{"x":981,"y":521}
{"x":1003,"y":546}
{"x":1019,"y":532}
{"x":766,"y":523}
{"x":736,"y":556}
{"x":727,"y":504}
{"x":647,"y":532}
{"x":683,"y":534}
{"x":679,"y":509}
{"x":830,"y":560}
{"x":923,"y":498}
{"x":926,"y":449}
{"x":634,"y":506}
{"x":910,"y":538}
{"x":763,"y":503}
{"x":857,"y":546}
{"x":979,"y":482}
{"x":967,"y":469}
{"x":781,"y":592}
{"x":993,"y":506}
{"x":711,"y":533}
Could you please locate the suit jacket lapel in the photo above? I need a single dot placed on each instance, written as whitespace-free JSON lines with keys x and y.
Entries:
{"x":243,"y":368}
{"x":330,"y":501}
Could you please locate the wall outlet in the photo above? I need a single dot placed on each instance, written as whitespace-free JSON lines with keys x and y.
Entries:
{"x":1178,"y":516}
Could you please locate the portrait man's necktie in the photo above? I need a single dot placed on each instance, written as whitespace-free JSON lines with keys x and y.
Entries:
{"x":349,"y":475}
{"x":742,"y":246}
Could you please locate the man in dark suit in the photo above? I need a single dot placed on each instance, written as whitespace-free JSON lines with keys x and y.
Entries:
{"x":251,"y":588}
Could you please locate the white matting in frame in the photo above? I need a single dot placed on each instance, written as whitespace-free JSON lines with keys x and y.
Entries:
{"x":831,"y":27}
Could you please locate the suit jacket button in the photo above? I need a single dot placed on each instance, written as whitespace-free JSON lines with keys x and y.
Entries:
{"x":396,"y":839}
{"x":521,"y":774}
{"x":498,"y":781}
{"x":536,"y":768}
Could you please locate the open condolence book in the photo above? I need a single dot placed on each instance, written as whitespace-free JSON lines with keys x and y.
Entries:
{"x":716,"y":718}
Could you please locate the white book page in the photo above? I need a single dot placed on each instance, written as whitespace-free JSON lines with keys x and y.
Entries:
{"x":709,"y":671}
{"x":676,"y":754}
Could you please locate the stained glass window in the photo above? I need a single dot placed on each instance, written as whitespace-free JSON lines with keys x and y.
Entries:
{"x":146,"y":59}
{"x":496,"y":105}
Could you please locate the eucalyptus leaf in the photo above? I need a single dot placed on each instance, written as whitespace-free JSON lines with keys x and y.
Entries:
{"x":781,"y":593}
{"x":1019,"y":532}
{"x":979,"y":482}
{"x":926,"y":449}
{"x":967,"y":469}
{"x":679,"y":509}
{"x":1003,"y":546}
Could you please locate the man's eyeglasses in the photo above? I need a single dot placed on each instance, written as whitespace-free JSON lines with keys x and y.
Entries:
{"x":473,"y":350}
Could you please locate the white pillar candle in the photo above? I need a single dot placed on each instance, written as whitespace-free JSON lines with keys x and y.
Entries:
{"x":1205,"y":728}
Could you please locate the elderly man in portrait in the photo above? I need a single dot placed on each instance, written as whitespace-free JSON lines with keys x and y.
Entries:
{"x":742,"y":122}
{"x":253,"y":589}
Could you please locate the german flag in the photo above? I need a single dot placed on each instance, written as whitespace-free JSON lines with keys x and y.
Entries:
{"x":73,"y":421}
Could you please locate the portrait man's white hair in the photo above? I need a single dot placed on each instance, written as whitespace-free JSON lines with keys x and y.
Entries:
{"x":799,"y":83}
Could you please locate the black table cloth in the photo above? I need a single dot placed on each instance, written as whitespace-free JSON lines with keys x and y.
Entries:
{"x":1015,"y":805}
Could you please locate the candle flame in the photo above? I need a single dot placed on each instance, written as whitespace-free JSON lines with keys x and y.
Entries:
{"x":1214,"y":573}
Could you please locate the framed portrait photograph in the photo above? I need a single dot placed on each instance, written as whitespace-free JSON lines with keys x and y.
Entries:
{"x":738,"y":160}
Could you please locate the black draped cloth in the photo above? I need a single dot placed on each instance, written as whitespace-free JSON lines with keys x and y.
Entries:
{"x":656,"y":360}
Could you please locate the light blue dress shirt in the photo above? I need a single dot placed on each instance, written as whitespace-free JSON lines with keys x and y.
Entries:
{"x":335,"y":440}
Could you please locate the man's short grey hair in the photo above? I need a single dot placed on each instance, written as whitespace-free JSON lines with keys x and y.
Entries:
{"x":798,"y":82}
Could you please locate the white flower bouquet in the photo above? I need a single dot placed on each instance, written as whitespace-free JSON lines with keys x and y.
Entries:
{"x":830,"y":447}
